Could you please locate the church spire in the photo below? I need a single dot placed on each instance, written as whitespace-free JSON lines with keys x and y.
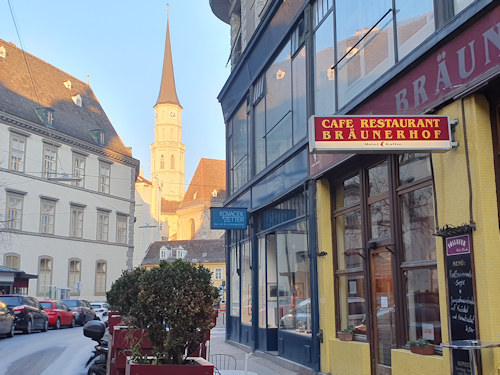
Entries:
{"x":168,"y":94}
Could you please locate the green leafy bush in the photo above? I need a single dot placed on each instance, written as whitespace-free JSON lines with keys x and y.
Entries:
{"x":174,"y":302}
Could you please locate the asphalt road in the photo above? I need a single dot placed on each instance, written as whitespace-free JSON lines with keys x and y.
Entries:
{"x":61,"y":352}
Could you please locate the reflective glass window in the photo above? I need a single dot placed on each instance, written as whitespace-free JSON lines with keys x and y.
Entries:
{"x":415,"y":22}
{"x":324,"y":76}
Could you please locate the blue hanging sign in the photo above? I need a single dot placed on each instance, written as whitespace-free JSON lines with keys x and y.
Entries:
{"x":228,"y":218}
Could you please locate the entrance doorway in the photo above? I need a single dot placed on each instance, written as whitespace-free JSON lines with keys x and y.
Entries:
{"x":383,"y":313}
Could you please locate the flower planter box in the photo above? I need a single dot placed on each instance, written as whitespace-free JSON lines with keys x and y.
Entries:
{"x":423,"y":350}
{"x":343,"y":336}
{"x":114,"y":319}
{"x":120,"y":347}
{"x":197,"y":366}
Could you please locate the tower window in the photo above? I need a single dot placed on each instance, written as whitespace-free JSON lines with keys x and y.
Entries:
{"x":172,"y":162}
{"x":162,"y":162}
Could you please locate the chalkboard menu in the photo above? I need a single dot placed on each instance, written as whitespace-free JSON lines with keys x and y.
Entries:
{"x":461,"y":298}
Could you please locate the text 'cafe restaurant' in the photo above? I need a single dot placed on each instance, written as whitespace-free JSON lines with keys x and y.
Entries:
{"x":408,"y":219}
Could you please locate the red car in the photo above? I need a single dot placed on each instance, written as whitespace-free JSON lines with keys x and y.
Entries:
{"x":59,"y":314}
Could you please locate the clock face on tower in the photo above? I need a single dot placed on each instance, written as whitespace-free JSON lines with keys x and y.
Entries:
{"x":172,"y":114}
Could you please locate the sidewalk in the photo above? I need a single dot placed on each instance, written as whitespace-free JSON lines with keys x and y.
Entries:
{"x":259,"y":363}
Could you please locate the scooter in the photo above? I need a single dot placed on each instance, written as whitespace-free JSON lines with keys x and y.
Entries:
{"x":95,"y":329}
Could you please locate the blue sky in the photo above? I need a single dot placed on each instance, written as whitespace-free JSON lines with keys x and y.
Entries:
{"x":120,"y":44}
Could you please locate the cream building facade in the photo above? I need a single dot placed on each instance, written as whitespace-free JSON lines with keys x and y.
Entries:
{"x":66,"y":181}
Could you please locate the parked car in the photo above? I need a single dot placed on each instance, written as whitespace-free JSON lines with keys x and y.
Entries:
{"x":28,"y":313}
{"x":7,"y":324}
{"x":59,"y":314}
{"x":101,"y":310}
{"x":81,"y":309}
{"x":299,"y":317}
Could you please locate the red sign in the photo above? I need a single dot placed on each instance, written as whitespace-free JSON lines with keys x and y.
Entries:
{"x":379,"y":133}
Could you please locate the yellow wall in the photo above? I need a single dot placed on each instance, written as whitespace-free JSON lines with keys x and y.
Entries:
{"x":452,"y":197}
{"x":452,"y":190}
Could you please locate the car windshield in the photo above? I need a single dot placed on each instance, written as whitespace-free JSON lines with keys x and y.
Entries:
{"x":11,"y":300}
{"x":71,"y":302}
{"x":46,"y":305}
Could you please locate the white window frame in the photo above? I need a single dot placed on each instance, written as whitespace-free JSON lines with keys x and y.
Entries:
{"x":14,"y":215}
{"x":104,"y":178}
{"x":76,"y":222}
{"x":47,"y":216}
{"x":49,"y":161}
{"x":218,"y":273}
{"x":79,"y":162}
{"x":17,"y":155}
{"x":121,"y":228}
{"x":102,"y":226}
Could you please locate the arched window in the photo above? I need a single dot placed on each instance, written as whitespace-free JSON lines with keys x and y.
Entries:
{"x":172,"y":162}
{"x":100,"y":277}
{"x":74,"y":276}
{"x":162,"y":162}
{"x":44,"y":275}
{"x":191,"y":229}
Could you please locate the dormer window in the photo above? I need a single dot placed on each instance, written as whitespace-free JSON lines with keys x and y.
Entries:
{"x":77,"y":99}
{"x":163,"y":252}
{"x":214,"y":193}
{"x":180,"y":253}
{"x":68,"y":84}
{"x":46,"y":115}
{"x":3,"y":52}
{"x":98,"y":136}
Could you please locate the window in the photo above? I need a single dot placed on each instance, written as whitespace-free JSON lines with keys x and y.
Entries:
{"x":47,"y":216}
{"x":164,"y":252}
{"x":100,"y":277}
{"x":14,"y":214}
{"x":238,"y":149}
{"x":162,"y":161}
{"x":180,"y":253}
{"x":76,"y":224}
{"x":218,"y":273}
{"x":324,"y":76}
{"x":365,"y":239}
{"x":12,"y":261}
{"x":234,"y":297}
{"x":246,"y":284}
{"x":17,"y":152}
{"x":102,"y":225}
{"x":104,"y":177}
{"x":44,"y":275}
{"x":172,"y":162}
{"x":121,"y":228}
{"x":74,"y":276}
{"x":79,"y":169}
{"x":415,"y":22}
{"x":49,"y":161}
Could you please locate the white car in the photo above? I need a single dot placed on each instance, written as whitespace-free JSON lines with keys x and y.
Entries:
{"x":101,"y":310}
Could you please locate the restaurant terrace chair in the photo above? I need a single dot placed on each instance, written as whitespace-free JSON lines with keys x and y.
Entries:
{"x":222,"y":362}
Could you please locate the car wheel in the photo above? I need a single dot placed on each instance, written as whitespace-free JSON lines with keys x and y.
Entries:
{"x":72,"y":325}
{"x":45,"y":327}
{"x":58,"y":323}
{"x":12,"y":329}
{"x":29,"y":327}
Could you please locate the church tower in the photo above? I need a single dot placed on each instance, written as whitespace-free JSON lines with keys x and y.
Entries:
{"x":167,"y":151}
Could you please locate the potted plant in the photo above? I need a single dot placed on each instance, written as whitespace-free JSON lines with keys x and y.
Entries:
{"x":421,"y":346}
{"x":175,"y":305}
{"x":346,"y":334}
